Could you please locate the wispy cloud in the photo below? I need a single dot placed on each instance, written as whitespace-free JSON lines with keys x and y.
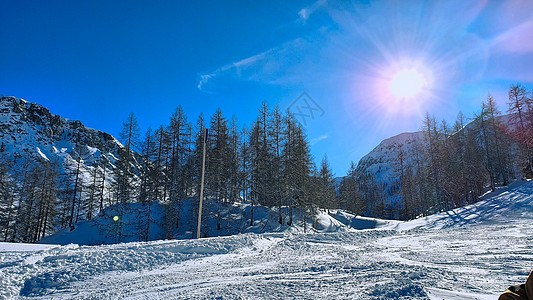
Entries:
{"x":204,"y":79}
{"x":306,"y":12}
{"x":267,"y":66}
{"x":272,"y":66}
{"x":318,"y":139}
{"x":515,"y":40}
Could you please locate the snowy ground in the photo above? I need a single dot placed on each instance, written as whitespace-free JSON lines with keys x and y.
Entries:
{"x":470,"y":253}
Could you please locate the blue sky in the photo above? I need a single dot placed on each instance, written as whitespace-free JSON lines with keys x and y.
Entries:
{"x":96,"y":61}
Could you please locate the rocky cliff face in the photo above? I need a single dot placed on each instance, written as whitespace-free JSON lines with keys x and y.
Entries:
{"x":30,"y":134}
{"x":30,"y":131}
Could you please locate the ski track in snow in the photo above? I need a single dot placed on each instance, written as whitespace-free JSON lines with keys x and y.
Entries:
{"x":469,"y":253}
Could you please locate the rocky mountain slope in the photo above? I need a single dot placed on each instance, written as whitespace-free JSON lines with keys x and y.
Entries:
{"x":381,"y":160}
{"x":32,"y":137}
{"x":30,"y":131}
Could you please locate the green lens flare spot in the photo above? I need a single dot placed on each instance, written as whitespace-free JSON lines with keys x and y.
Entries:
{"x":115,"y":218}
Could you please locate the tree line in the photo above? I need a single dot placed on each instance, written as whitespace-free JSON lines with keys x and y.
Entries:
{"x":268,"y":164}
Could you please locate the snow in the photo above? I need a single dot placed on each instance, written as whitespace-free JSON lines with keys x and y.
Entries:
{"x":475,"y":252}
{"x":42,"y":154}
{"x":438,"y":294}
{"x":17,"y":247}
{"x":103,"y":230}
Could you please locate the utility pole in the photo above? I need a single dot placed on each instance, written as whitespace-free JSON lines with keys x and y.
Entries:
{"x":201,"y":188}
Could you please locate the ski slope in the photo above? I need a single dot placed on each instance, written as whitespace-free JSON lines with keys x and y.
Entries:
{"x":469,"y":253}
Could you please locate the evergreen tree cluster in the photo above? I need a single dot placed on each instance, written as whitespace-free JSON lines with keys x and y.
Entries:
{"x":268,"y":164}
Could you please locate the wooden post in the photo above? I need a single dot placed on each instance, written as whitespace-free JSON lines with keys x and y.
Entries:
{"x":201,"y":189}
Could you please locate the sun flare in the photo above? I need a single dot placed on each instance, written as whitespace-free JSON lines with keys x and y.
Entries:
{"x":407,"y":83}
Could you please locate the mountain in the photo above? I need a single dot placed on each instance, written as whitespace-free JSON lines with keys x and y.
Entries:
{"x":381,"y":161}
{"x":28,"y":131}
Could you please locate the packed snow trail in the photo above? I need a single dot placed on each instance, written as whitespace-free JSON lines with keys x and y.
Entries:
{"x":469,"y":253}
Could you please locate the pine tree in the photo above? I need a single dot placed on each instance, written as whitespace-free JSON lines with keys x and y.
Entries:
{"x":350,"y":196}
{"x":497,"y":129}
{"x":435,"y":163}
{"x":492,"y":137}
{"x":90,"y":203}
{"x":422,"y":183}
{"x":487,"y":146}
{"x":36,"y":203}
{"x":148,"y":178}
{"x":129,"y":135}
{"x":219,"y":159}
{"x":296,"y":164}
{"x":262,"y":156}
{"x":160,"y":176}
{"x":255,"y":169}
{"x":101,"y":167}
{"x":519,"y":105}
{"x":245,"y":164}
{"x":79,"y":154}
{"x":234,"y":167}
{"x":276,"y":133}
{"x":476,"y":175}
{"x":48,"y":201}
{"x":179,"y":132}
{"x":326,"y":186}
{"x":404,"y":172}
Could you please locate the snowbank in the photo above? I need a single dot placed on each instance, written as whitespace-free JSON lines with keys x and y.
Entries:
{"x":131,"y":224}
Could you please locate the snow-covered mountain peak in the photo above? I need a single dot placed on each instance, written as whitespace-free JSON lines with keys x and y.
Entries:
{"x":381,"y":160}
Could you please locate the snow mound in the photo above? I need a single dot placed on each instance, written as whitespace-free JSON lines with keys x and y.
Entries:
{"x":362,"y":223}
{"x":513,"y":202}
{"x":132,"y":219}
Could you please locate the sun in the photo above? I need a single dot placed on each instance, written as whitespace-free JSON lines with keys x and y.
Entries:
{"x":407,"y":84}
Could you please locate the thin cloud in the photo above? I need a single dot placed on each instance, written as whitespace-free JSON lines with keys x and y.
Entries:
{"x":204,"y":79}
{"x":267,"y":66}
{"x":516,"y":39}
{"x":306,"y":12}
{"x":318,"y":139}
